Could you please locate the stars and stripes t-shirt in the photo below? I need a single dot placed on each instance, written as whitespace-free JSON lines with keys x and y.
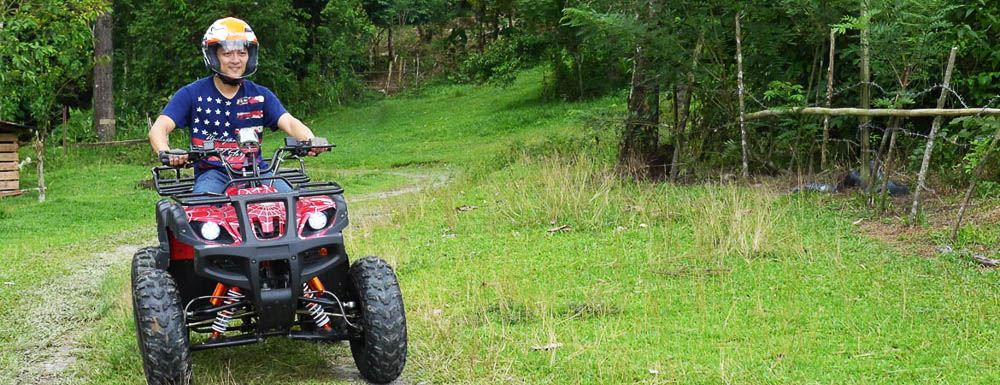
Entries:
{"x":210,"y":116}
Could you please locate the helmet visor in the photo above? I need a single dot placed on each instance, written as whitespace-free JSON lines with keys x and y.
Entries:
{"x":229,"y":45}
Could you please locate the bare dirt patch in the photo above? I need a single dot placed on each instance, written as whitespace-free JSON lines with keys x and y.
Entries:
{"x":418,"y":181}
{"x":940,"y":211}
{"x":59,"y":315}
{"x":912,"y":239}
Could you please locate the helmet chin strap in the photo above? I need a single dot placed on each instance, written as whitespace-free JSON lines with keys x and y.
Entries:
{"x":228,"y":80}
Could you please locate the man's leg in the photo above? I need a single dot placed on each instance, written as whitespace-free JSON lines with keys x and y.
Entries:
{"x":211,"y":180}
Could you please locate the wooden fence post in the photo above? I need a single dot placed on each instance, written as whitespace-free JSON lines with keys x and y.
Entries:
{"x":925,"y":164}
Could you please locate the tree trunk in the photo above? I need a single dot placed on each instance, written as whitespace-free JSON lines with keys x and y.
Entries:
{"x":682,"y":108}
{"x":739,"y":85}
{"x":388,"y":79}
{"x":682,"y":99}
{"x":40,"y":154}
{"x":402,"y":71}
{"x":389,"y":43}
{"x":925,"y":164}
{"x":640,"y":138}
{"x":65,"y":120}
{"x":374,"y":51}
{"x":104,"y":98}
{"x":893,"y":128}
{"x":813,"y":78}
{"x":894,"y":122}
{"x":829,"y":102}
{"x":866,"y":170}
{"x":482,"y":27}
{"x":496,"y":24}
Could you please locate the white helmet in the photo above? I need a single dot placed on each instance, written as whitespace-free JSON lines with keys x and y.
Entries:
{"x":229,"y":33}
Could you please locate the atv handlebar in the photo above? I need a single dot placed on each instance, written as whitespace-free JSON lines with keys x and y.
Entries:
{"x":303,"y":148}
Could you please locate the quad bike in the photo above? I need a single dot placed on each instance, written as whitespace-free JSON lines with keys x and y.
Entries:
{"x":235,"y":268}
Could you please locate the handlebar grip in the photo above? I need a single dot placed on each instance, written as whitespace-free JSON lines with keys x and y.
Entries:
{"x":318,"y":142}
{"x":165,"y":155}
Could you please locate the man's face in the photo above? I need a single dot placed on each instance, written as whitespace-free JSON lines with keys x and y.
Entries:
{"x":232,"y":63}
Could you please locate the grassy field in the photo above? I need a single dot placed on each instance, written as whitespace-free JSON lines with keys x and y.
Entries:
{"x":534,"y":263}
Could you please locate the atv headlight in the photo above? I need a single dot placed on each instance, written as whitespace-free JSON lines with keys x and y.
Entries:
{"x":210,"y":231}
{"x":317,"y":221}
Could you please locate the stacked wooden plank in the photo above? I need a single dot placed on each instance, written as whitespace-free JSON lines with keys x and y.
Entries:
{"x":8,"y":165}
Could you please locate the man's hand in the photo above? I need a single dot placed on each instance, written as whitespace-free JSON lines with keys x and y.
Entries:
{"x":175,"y":158}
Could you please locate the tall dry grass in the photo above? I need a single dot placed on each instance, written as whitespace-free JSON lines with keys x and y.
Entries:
{"x":739,"y":222}
{"x":563,"y":189}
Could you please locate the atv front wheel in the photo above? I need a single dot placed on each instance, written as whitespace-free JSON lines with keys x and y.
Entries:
{"x":160,"y":328}
{"x":380,"y":351}
{"x":143,"y":259}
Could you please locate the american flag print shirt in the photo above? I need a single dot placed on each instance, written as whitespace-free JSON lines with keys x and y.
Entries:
{"x":210,"y":116}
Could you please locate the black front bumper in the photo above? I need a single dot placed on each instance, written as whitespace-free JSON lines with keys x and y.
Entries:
{"x":271,"y":272}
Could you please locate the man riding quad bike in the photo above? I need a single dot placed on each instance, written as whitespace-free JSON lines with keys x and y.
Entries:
{"x":236,"y":267}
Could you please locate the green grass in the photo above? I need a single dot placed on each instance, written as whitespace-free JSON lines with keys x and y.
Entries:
{"x":534,"y":241}
{"x":812,"y":303}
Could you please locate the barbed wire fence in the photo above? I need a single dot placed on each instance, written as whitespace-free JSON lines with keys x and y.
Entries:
{"x":880,"y":158}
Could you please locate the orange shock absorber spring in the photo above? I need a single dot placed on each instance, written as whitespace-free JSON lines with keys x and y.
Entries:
{"x":221,"y":323}
{"x":316,"y":285}
{"x":220,"y":289}
{"x":315,"y":310}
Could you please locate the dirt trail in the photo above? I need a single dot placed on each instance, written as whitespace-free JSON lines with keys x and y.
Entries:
{"x":58,"y":313}
{"x":419,"y":181}
{"x":57,"y":327}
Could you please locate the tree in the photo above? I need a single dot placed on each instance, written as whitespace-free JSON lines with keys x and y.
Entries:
{"x":383,"y":14}
{"x":45,"y":52}
{"x":639,"y":142}
{"x":104,"y":95}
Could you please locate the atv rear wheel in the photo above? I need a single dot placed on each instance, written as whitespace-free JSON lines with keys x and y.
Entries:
{"x":380,"y":351}
{"x":162,"y":334}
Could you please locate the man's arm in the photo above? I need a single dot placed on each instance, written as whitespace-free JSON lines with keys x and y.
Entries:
{"x":160,"y":141}
{"x":296,"y":129}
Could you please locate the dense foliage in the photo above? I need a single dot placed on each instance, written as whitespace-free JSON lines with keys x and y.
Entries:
{"x":45,"y":49}
{"x":320,"y":52}
{"x":308,"y":50}
{"x":692,"y":44}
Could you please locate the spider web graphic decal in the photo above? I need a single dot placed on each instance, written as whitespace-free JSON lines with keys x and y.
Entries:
{"x":262,"y":215}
